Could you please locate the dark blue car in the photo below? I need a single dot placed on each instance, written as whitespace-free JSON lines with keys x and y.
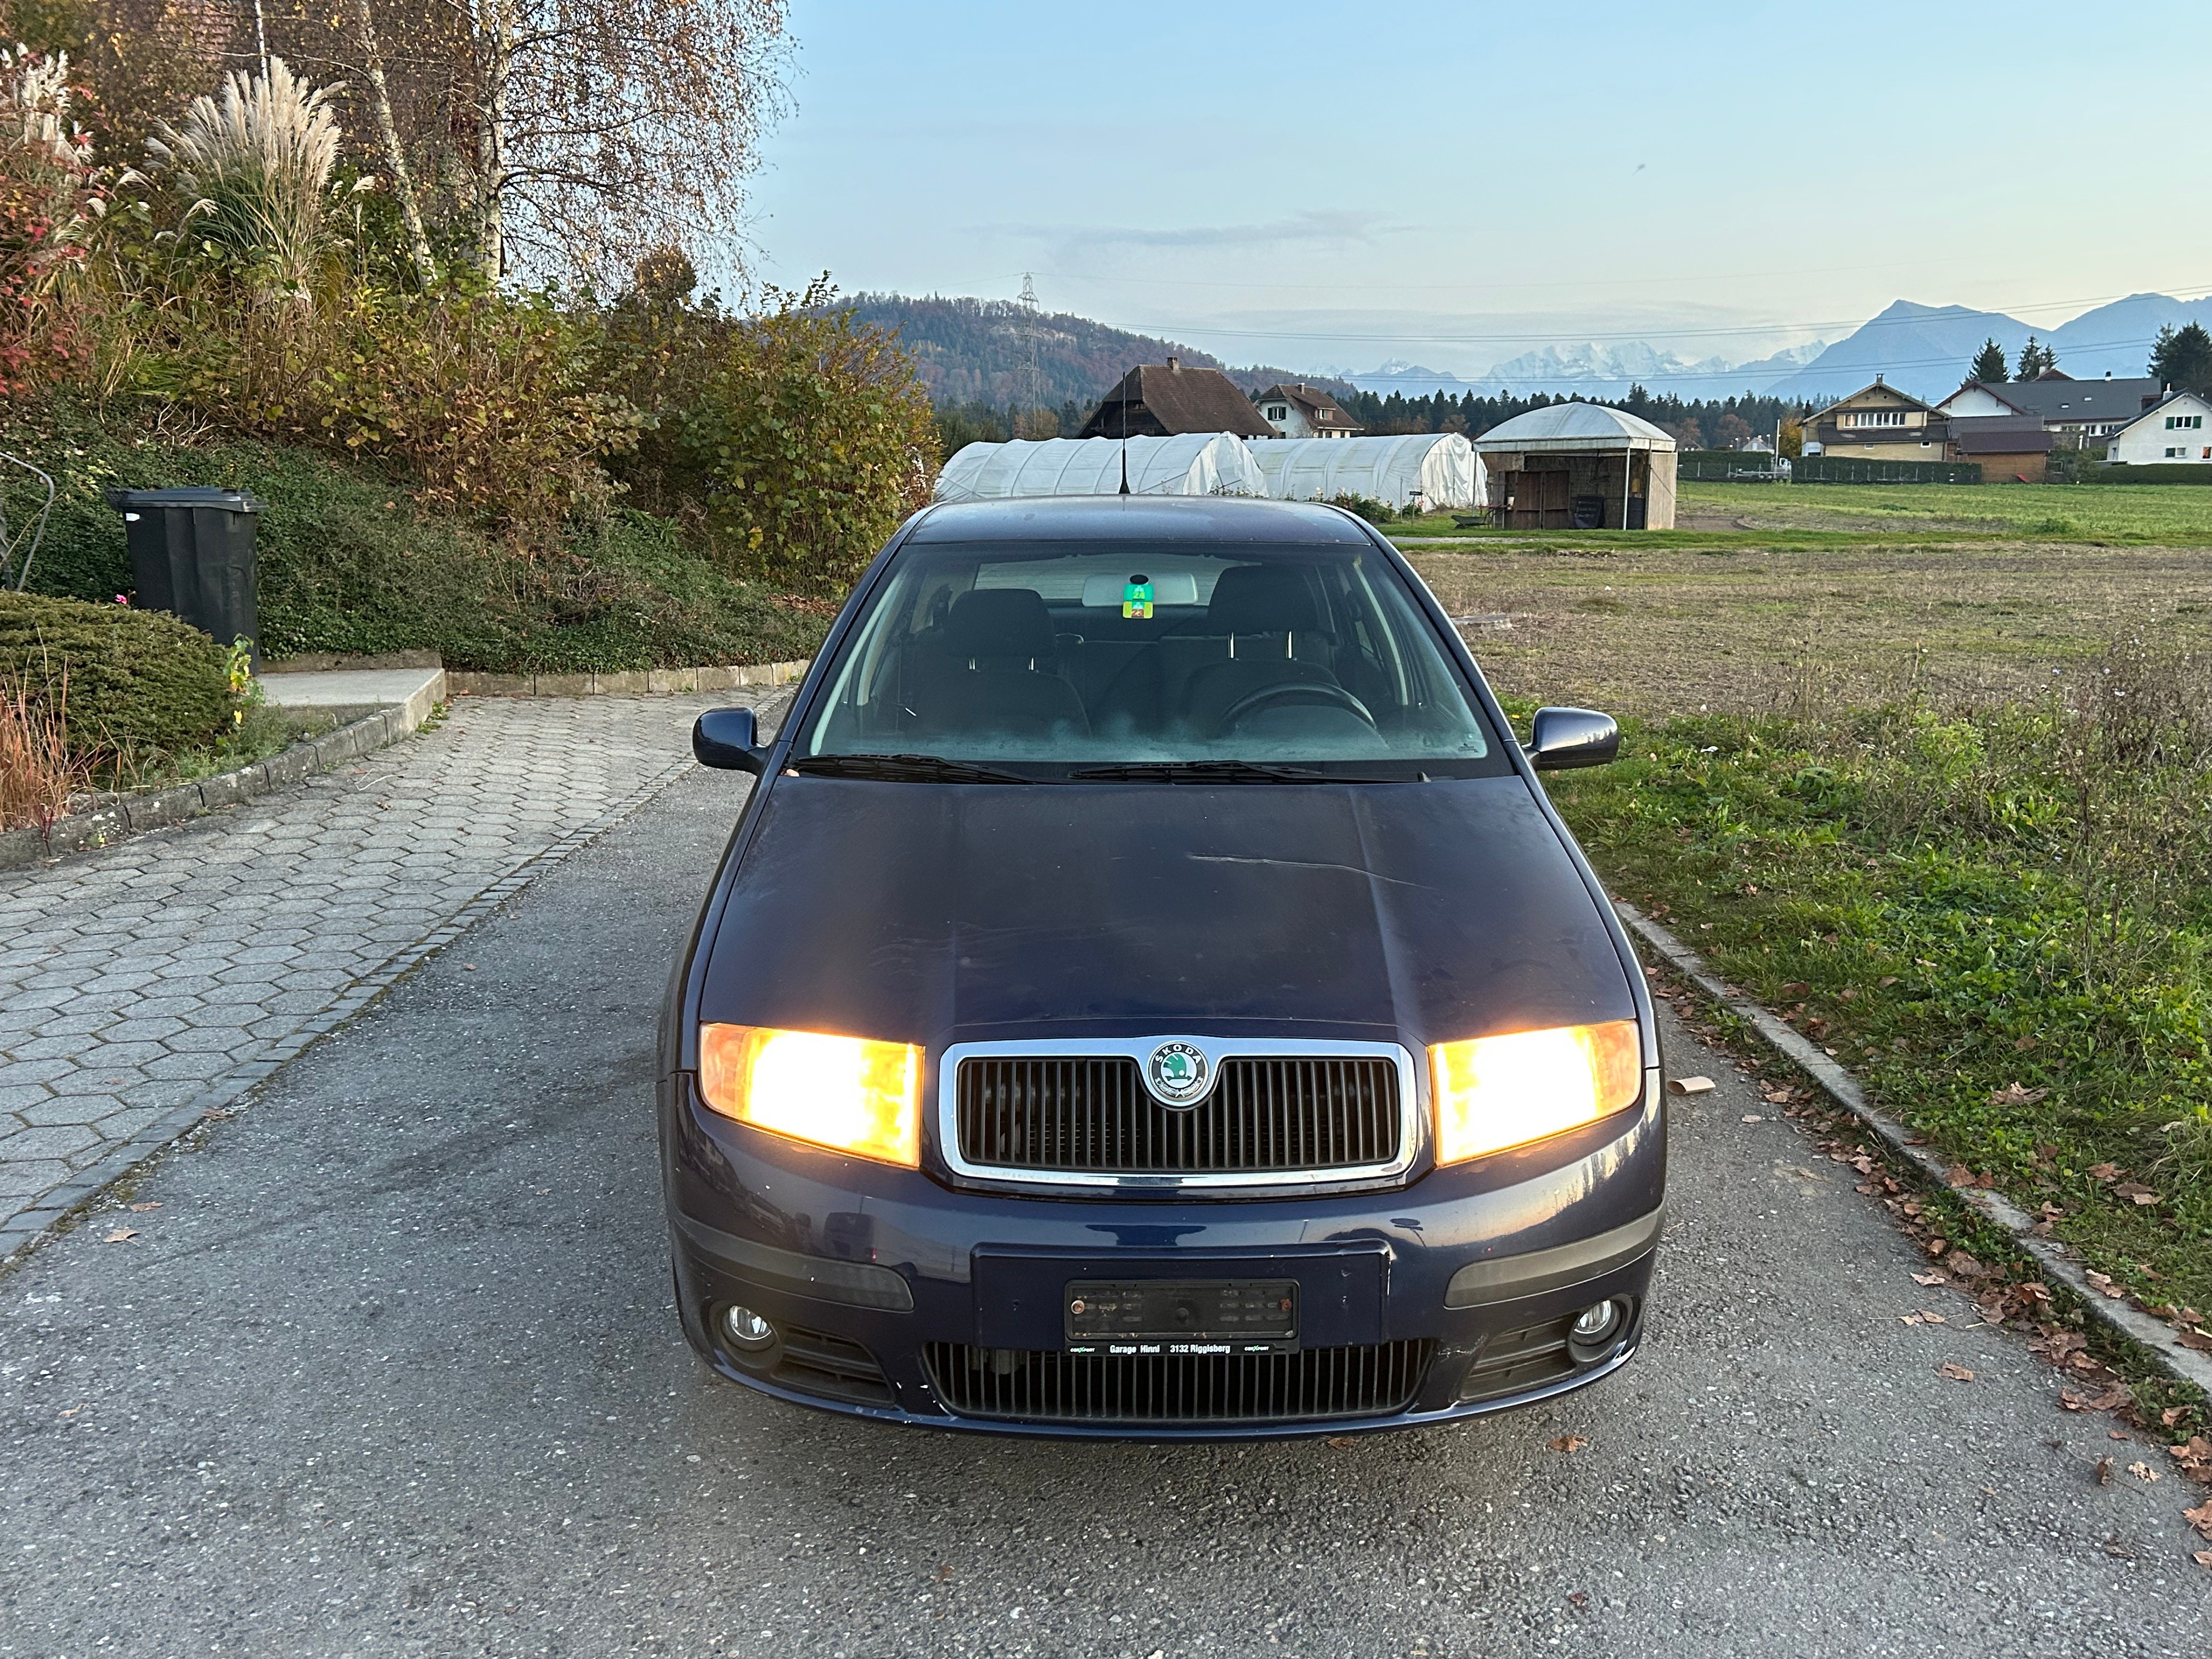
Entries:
{"x":1149,"y":994}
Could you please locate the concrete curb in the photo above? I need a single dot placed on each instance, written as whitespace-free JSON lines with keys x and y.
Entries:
{"x":22,"y":1233}
{"x":111,"y":818}
{"x":634,"y":683}
{"x":2122,"y":1318}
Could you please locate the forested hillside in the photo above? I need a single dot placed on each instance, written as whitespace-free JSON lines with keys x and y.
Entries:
{"x":1000,"y":353}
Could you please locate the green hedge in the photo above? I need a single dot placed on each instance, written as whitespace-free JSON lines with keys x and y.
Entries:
{"x":125,"y":679}
{"x":1853,"y":469}
{"x":2197,"y":474}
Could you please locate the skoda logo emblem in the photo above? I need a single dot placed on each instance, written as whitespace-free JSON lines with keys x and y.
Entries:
{"x":1178,"y":1074}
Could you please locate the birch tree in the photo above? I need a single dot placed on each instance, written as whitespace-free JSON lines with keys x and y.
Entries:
{"x":604,"y":129}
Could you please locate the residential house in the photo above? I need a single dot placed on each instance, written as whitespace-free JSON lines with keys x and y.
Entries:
{"x":2171,"y":432}
{"x":1878,"y":423}
{"x":2009,"y":448}
{"x":1152,"y":401}
{"x":2074,"y":412}
{"x":1304,"y":411}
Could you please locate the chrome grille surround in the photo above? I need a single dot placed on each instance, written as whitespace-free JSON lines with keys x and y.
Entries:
{"x":1412,"y":1114}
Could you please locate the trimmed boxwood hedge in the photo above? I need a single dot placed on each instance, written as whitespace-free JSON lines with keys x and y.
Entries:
{"x":135,"y":679}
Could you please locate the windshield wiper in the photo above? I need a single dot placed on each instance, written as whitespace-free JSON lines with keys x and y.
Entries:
{"x":1214,"y":771}
{"x":900,"y":768}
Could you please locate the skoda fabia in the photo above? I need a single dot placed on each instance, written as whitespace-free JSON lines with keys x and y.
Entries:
{"x":1148,"y":993}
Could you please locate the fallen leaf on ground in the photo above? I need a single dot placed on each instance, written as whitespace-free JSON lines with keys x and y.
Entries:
{"x":2104,"y":1471}
{"x":155,"y":1203}
{"x":120,"y":1236}
{"x":2203,"y":1558}
{"x":2144,"y":1472}
{"x":1929,"y":1278}
{"x":2107,"y":1173}
{"x":2103,"y":1282}
{"x":2022,"y":1043}
{"x":1958,"y":1175}
{"x":1962,"y":1266}
{"x":1689,"y":1086}
{"x":1752,"y":1117}
{"x":1339,"y":1440}
{"x":2014,"y":1094}
{"x":1956,"y":1373}
{"x":1933,"y":1318}
{"x":1581,"y":1598}
{"x":2134,"y":1191}
{"x":2200,"y":1517}
{"x":1888,"y":980}
{"x":1568,"y":1442}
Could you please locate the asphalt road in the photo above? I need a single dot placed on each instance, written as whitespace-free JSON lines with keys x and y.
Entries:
{"x":392,"y":1371}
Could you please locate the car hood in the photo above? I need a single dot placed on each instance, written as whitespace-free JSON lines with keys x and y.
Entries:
{"x":943,"y":913}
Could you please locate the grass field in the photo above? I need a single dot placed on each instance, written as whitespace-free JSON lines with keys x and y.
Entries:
{"x":1938,"y":789}
{"x":1719,"y":513}
{"x":1691,"y":621}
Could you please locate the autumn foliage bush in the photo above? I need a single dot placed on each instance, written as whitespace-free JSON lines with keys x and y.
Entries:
{"x":50,"y":197}
{"x":795,"y":439}
{"x":487,"y":400}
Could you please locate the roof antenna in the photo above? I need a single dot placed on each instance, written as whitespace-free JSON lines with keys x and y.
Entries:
{"x":1125,"y":430}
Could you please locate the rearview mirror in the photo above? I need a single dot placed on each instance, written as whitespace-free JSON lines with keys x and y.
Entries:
{"x":1563,"y":738}
{"x":728,"y":738}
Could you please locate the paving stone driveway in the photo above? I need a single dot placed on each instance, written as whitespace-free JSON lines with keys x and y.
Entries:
{"x":146,"y":985}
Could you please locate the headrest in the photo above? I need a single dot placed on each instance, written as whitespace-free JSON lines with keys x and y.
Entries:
{"x":1000,"y":621}
{"x":1264,"y":598}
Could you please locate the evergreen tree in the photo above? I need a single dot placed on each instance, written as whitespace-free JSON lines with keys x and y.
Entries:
{"x":2182,"y":358}
{"x":2035,"y":358}
{"x":1989,"y":364}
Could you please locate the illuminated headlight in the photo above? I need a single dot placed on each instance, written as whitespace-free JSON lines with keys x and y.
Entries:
{"x":844,"y":1092}
{"x":1494,"y":1092}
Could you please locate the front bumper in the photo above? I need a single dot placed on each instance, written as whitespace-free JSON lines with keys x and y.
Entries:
{"x":901,"y":1298}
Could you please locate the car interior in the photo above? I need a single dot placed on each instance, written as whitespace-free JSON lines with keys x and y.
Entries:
{"x":1185,"y":655}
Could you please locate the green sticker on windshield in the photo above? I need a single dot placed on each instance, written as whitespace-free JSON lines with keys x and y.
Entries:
{"x":1136,"y":597}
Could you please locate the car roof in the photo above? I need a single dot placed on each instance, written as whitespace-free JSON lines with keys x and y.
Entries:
{"x":1150,"y":519}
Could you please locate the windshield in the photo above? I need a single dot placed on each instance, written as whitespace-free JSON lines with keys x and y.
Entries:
{"x":1076,"y":655}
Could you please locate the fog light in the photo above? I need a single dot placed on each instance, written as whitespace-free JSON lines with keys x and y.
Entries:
{"x":747,"y":1330}
{"x":1597,"y":1322}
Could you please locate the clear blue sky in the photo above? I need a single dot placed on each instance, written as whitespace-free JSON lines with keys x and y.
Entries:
{"x":1323,"y":186}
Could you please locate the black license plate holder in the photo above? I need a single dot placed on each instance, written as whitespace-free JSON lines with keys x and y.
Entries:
{"x":1217,"y":1317}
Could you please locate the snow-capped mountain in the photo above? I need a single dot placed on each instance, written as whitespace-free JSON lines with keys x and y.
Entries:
{"x":1597,"y":369}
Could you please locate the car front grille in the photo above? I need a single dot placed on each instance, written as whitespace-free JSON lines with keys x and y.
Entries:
{"x":1093,"y":1115}
{"x":1048,"y":1386}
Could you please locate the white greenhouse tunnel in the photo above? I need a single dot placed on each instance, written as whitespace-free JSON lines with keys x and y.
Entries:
{"x":1189,"y":463}
{"x":1438,"y":469}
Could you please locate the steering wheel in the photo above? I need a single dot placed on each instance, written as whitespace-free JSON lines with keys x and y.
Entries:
{"x":1321,"y":691}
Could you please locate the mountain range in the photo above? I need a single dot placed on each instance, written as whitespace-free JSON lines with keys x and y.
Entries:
{"x":997,"y":352}
{"x":1597,"y":370}
{"x":1925,"y":349}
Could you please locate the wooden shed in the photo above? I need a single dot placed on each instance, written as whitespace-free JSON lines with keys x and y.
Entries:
{"x":1580,"y":466}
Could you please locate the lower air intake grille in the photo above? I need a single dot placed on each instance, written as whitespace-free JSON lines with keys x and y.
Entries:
{"x":1094,"y":1115}
{"x":1048,"y":1386}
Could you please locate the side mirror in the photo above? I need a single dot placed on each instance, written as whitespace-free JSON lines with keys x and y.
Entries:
{"x":1563,"y":738}
{"x":729,"y":739}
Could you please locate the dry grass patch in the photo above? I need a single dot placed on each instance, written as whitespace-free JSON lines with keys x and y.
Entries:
{"x":1661,"y":630}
